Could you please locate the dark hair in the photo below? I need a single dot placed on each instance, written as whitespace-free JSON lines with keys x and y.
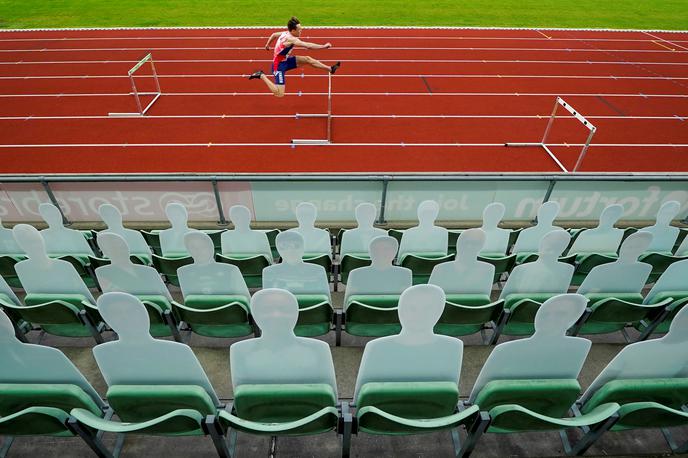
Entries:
{"x":293,"y":22}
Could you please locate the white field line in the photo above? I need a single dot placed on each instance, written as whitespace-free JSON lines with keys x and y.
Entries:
{"x":398,"y":144}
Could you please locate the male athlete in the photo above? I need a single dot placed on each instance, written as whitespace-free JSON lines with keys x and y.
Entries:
{"x":283,"y":62}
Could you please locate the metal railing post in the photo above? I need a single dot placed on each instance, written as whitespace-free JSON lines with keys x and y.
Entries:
{"x":53,"y":200}
{"x":383,"y":200}
{"x":218,"y":202}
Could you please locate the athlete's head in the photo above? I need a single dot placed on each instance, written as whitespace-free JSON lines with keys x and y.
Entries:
{"x":294,"y":26}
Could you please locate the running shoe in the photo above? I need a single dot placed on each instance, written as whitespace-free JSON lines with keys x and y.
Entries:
{"x":258,"y":74}
{"x":334,"y":68}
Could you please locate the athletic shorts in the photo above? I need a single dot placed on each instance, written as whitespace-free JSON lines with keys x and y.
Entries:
{"x":281,"y":68}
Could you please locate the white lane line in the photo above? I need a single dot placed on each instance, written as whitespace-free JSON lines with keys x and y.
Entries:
{"x":672,"y":43}
{"x":399,"y":144}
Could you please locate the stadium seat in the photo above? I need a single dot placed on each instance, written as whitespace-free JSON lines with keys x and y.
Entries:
{"x":284,"y":385}
{"x":354,"y":244}
{"x":38,"y":387}
{"x":650,"y":381}
{"x":521,"y":396}
{"x":682,"y":244}
{"x":272,"y":236}
{"x":467,"y":284}
{"x":144,"y":282}
{"x":7,"y":270}
{"x":138,"y":247}
{"x":169,"y":266}
{"x":308,"y":282}
{"x":409,"y":383}
{"x":10,"y":254}
{"x":163,"y":391}
{"x":424,"y":246}
{"x":153,"y":240}
{"x":659,"y":253}
{"x":530,"y":284}
{"x":372,"y":293}
{"x":172,"y":239}
{"x":614,"y":291}
{"x":7,"y":296}
{"x":452,"y":239}
{"x":216,"y":298}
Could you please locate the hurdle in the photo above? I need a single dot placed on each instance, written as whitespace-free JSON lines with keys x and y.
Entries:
{"x":328,"y":115}
{"x":543,"y":142}
{"x":142,"y":110}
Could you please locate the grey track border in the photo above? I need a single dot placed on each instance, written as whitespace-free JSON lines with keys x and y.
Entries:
{"x":344,"y":27}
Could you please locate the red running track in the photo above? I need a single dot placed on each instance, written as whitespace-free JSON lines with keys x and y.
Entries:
{"x":405,"y":100}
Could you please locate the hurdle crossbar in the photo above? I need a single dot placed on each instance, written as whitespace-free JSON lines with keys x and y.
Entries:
{"x":328,"y":115}
{"x":142,"y":110}
{"x":543,"y":143}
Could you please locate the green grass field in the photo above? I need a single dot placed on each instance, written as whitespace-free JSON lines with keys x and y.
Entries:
{"x":642,"y":14}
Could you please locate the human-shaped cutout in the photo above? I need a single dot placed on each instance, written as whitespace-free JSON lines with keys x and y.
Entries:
{"x":466,"y":274}
{"x":416,"y":354}
{"x":6,"y":290}
{"x":381,"y":277}
{"x":60,"y":240}
{"x":674,"y":278}
{"x":206,"y":276}
{"x":626,"y":274}
{"x":242,"y":241}
{"x":139,"y":359}
{"x":547,"y":354}
{"x":316,"y":241}
{"x":8,"y":246}
{"x":528,"y":240}
{"x":112,"y":217}
{"x":293,"y":274}
{"x":39,"y":274}
{"x":123,"y":275}
{"x":426,"y":238}
{"x":172,"y":239}
{"x":278,"y":356}
{"x":666,"y":357}
{"x":664,"y":235}
{"x":546,"y":274}
{"x":496,"y":238}
{"x":682,"y":249}
{"x":605,"y":238}
{"x":356,"y":241}
{"x":25,"y":363}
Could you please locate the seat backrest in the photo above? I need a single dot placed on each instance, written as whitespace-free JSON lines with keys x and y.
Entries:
{"x":664,"y":235}
{"x":113,"y":218}
{"x":242,"y":239}
{"x":426,"y":237}
{"x":122,"y":274}
{"x":626,"y":274}
{"x":416,"y":354}
{"x":675,"y":278}
{"x":547,"y":354}
{"x":205,"y":275}
{"x":496,"y":238}
{"x":682,"y":249}
{"x":292,"y":273}
{"x":666,"y":357}
{"x":381,"y":277}
{"x":172,"y":239}
{"x":41,"y":275}
{"x":37,"y":364}
{"x":528,"y":240}
{"x":357,"y":240}
{"x":604,"y":238}
{"x":139,"y":359}
{"x":7,"y":291}
{"x":465,"y":275}
{"x":546,"y":274}
{"x":58,"y":239}
{"x":278,"y":356}
{"x":316,"y":240}
{"x":7,"y":243}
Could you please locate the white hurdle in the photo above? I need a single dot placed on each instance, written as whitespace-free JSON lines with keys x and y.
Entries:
{"x":142,"y":110}
{"x":328,"y":115}
{"x":543,"y":142}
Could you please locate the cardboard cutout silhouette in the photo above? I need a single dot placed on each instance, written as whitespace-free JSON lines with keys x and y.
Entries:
{"x":113,"y":218}
{"x":278,"y":356}
{"x":205,"y":275}
{"x":242,"y":240}
{"x":605,"y":238}
{"x":664,"y":235}
{"x":58,"y":239}
{"x":546,"y":274}
{"x":528,"y":240}
{"x":626,"y":274}
{"x":139,"y":359}
{"x":172,"y":239}
{"x":496,"y":238}
{"x":40,"y":274}
{"x":674,"y":278}
{"x":356,"y":241}
{"x":547,"y":354}
{"x":8,"y":246}
{"x":381,"y":277}
{"x":316,"y":241}
{"x":416,"y":354}
{"x":465,"y":275}
{"x":426,"y":237}
{"x":682,"y":249}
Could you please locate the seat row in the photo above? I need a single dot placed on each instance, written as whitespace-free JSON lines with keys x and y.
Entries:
{"x":285,"y":385}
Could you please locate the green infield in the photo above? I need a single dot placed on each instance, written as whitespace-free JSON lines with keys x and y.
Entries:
{"x":622,"y":14}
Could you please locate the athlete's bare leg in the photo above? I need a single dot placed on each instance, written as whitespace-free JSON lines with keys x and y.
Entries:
{"x":276,"y":89}
{"x":308,"y":60}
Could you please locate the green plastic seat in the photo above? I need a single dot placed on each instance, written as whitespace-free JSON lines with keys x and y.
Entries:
{"x":349,"y":262}
{"x":319,"y":259}
{"x":215,"y":315}
{"x":678,"y":299}
{"x":502,"y":264}
{"x":216,"y":237}
{"x":315,"y":315}
{"x":522,"y":308}
{"x":610,"y":312}
{"x":168,"y":267}
{"x":81,"y":264}
{"x":7,"y":270}
{"x":372,"y":315}
{"x":659,"y":262}
{"x":160,"y":314}
{"x":525,"y":257}
{"x":466,"y":314}
{"x":586,"y":262}
{"x":421,"y":264}
{"x":153,"y":241}
{"x":453,"y":237}
{"x":99,"y":262}
{"x":251,"y":267}
{"x":396,"y":233}
{"x":272,"y":239}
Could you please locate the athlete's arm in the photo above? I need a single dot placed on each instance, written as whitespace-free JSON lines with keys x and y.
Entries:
{"x":307,"y":45}
{"x":272,"y":38}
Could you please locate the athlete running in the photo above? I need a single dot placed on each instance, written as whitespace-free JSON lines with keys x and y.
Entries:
{"x":282,"y":61}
